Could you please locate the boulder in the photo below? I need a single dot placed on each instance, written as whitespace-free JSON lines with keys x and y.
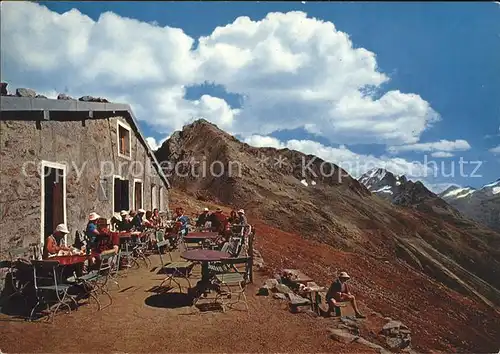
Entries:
{"x":349,"y":322}
{"x":394,"y":342}
{"x":342,"y":336}
{"x":371,"y":345}
{"x":25,"y":92}
{"x":3,"y":89}
{"x":63,"y":96}
{"x":92,"y":99}
{"x":280,"y":296}
{"x":269,"y":284}
{"x":282,"y":288}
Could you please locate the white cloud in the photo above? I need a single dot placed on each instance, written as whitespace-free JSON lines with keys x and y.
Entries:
{"x":442,"y":154}
{"x":495,"y":150}
{"x":291,"y":71}
{"x":153,"y":144}
{"x":442,"y":145}
{"x":355,"y":164}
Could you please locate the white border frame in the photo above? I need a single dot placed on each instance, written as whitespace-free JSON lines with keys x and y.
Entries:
{"x":119,"y":124}
{"x":59,"y":166}
{"x":142,"y":192}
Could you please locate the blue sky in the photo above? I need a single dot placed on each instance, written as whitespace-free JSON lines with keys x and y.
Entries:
{"x":447,"y":53}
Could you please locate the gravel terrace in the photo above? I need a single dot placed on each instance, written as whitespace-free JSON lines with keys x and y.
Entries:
{"x":140,"y":321}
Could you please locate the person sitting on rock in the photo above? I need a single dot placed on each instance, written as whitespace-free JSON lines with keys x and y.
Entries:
{"x":340,"y":291}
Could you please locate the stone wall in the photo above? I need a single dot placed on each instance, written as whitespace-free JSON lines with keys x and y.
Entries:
{"x":83,"y":146}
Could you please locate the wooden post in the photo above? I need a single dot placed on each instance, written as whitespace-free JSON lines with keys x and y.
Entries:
{"x":251,"y":238}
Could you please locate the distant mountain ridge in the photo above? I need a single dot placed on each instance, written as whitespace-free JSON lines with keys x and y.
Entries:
{"x":482,"y":205}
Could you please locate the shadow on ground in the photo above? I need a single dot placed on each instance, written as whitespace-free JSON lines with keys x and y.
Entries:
{"x":169,"y":300}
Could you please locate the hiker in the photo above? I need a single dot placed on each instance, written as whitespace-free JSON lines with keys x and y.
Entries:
{"x":242,"y":219}
{"x":202,"y":218}
{"x":53,"y":244}
{"x":340,"y":291}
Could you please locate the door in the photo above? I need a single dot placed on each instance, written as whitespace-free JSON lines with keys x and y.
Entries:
{"x":54,"y":199}
{"x":138,"y":195}
{"x":121,"y":195}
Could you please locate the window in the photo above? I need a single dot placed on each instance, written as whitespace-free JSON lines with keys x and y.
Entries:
{"x":120,"y":194}
{"x":123,"y":134}
{"x":138,"y":194}
{"x":154,"y":197}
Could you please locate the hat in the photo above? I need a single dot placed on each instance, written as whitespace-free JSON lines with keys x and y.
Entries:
{"x":141,"y":211}
{"x":117,"y":216}
{"x":344,"y":275}
{"x":62,"y":228}
{"x":94,"y":216}
{"x":206,"y":209}
{"x":241,"y":211}
{"x":123,"y":213}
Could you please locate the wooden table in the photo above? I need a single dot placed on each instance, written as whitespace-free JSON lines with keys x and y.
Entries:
{"x":70,"y":260}
{"x":204,"y":257}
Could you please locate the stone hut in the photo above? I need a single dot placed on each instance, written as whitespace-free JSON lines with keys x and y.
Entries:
{"x":63,"y":159}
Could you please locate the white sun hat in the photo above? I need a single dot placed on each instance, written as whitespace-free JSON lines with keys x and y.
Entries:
{"x":206,"y":209}
{"x":141,"y":211}
{"x":241,"y":211}
{"x":344,"y":275}
{"x":123,"y":213}
{"x":94,"y":216}
{"x":62,"y":228}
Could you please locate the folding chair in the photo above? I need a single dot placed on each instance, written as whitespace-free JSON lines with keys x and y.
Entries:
{"x":45,"y":280}
{"x":20,"y":267}
{"x":181,"y":269}
{"x":233,"y":283}
{"x":96,"y":281}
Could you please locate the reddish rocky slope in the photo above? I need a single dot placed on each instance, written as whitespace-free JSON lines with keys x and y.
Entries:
{"x":333,"y":208}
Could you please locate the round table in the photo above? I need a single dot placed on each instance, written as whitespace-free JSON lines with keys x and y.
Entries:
{"x":204,"y":257}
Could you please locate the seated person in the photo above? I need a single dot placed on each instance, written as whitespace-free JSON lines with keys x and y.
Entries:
{"x":137,"y":222}
{"x":53,"y":244}
{"x":233,"y":217}
{"x":339,"y":291}
{"x":156,"y":217}
{"x":202,"y":218}
{"x":183,"y":220}
{"x":218,"y":220}
{"x":115,"y":221}
{"x":92,"y":232}
{"x":242,"y":219}
{"x":148,"y":221}
{"x":125,"y":224}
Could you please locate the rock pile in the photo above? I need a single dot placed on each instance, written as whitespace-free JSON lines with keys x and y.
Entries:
{"x":398,"y":336}
{"x":63,"y":96}
{"x":92,"y":99}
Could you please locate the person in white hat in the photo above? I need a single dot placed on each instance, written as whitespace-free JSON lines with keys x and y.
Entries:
{"x":242,"y":219}
{"x":339,"y":292}
{"x":53,"y":243}
{"x":91,"y":232}
{"x":202,"y":218}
